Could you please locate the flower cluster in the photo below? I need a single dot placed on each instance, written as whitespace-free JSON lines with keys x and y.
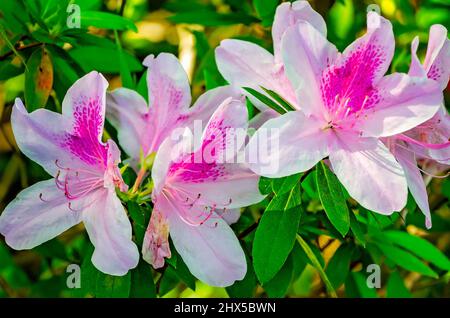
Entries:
{"x":378,"y":131}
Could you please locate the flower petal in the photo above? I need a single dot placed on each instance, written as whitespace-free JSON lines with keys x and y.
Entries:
{"x":38,"y":214}
{"x":306,"y":53}
{"x":156,"y":241}
{"x":211,"y":251}
{"x":287,"y":145}
{"x":110,"y":231}
{"x":372,"y":53}
{"x":416,"y":68}
{"x":127,"y":112}
{"x":84,"y":104}
{"x":213,"y":170}
{"x":437,"y":59}
{"x":289,"y":14}
{"x":415,"y":181}
{"x":39,"y":141}
{"x":370,"y":173}
{"x":208,"y":103}
{"x":168,"y":89}
{"x":245,"y":64}
{"x":405,"y":102}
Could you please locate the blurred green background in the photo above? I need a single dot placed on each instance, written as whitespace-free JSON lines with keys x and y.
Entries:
{"x":40,"y":57}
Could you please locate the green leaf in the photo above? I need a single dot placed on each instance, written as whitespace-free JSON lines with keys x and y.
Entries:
{"x":283,"y":185}
{"x":184,"y":274}
{"x":142,"y":284}
{"x":8,"y":69}
{"x":275,"y":235}
{"x":279,"y":284}
{"x":341,"y":18}
{"x":310,"y":186}
{"x":265,"y":10}
{"x":108,"y":286}
{"x":52,"y":249}
{"x":357,"y":230}
{"x":211,"y":18}
{"x":139,"y":221}
{"x":125,"y":74}
{"x":105,"y":20}
{"x":38,"y":79}
{"x":98,"y":284}
{"x":265,"y":185}
{"x":316,"y":263}
{"x":419,"y":247}
{"x":396,"y":288}
{"x":333,"y":199}
{"x":266,"y":100}
{"x":405,"y":259}
{"x":356,"y":286}
{"x":103,"y":59}
{"x":280,"y":100}
{"x":339,"y":265}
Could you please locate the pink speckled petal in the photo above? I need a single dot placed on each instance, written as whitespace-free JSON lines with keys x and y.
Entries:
{"x":437,"y":59}
{"x":246,"y":64}
{"x":405,"y":102}
{"x":416,"y":68}
{"x":212,"y":170}
{"x":168,"y":89}
{"x":370,"y":173}
{"x":127,"y":112}
{"x":289,"y":14}
{"x":38,"y":214}
{"x":110,"y":231}
{"x":306,"y":54}
{"x":84,"y":104}
{"x":41,"y":136}
{"x":415,"y":181}
{"x":211,"y":251}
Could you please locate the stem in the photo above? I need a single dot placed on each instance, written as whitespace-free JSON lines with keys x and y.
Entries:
{"x":140,"y":177}
{"x":312,"y":257}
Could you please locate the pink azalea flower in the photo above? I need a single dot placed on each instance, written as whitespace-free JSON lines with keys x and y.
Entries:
{"x":428,"y":141}
{"x":246,"y":64}
{"x":347,"y":104}
{"x":197,"y":199}
{"x":142,"y":127}
{"x":85,"y":174}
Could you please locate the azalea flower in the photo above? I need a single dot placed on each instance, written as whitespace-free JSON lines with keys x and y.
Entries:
{"x":347,"y":103}
{"x":85,"y":174}
{"x":142,"y":128}
{"x":197,"y":194}
{"x":246,"y":64}
{"x":428,"y":141}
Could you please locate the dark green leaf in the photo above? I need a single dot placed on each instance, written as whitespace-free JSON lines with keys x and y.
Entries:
{"x":396,"y":288}
{"x":419,"y":247}
{"x":279,"y":284}
{"x":211,"y":18}
{"x":266,"y":100}
{"x":339,"y":265}
{"x":38,"y":79}
{"x":103,"y":59}
{"x":333,"y":199}
{"x":275,"y":235}
{"x":142,"y":284}
{"x":405,"y":259}
{"x":106,"y":20}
